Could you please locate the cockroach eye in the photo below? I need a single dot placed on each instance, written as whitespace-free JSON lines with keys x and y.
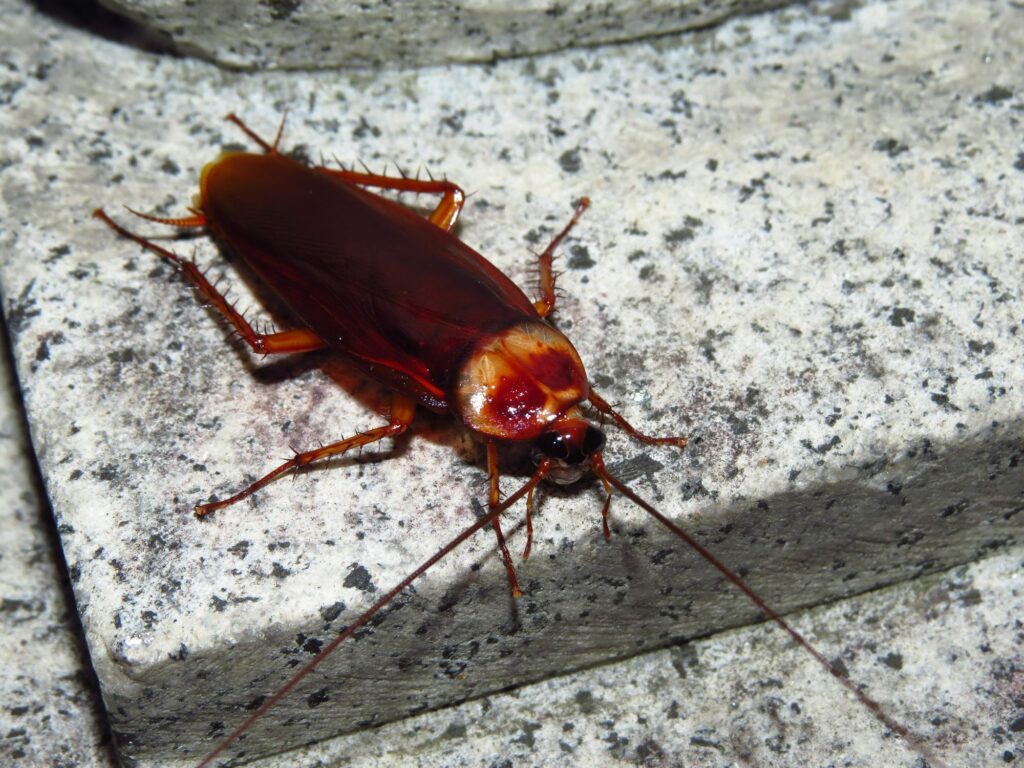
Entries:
{"x":553,"y":445}
{"x":593,"y":441}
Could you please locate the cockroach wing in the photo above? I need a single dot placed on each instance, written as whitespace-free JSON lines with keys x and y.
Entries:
{"x":378,"y":283}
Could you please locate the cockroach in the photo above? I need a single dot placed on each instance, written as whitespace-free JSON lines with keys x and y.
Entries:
{"x":413,"y":307}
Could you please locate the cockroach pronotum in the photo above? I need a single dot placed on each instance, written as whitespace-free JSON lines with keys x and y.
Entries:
{"x":416,"y":309}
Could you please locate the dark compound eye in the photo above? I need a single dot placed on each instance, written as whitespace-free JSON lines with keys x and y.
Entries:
{"x":553,"y":445}
{"x":593,"y":441}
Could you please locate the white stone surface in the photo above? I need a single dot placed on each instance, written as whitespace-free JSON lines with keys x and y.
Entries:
{"x":319,"y":34}
{"x":804,"y":249}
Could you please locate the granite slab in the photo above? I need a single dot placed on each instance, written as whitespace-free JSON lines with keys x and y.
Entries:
{"x":323,"y":34}
{"x":804,"y":250}
{"x":943,"y":648}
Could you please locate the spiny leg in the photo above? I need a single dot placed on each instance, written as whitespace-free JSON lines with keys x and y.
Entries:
{"x":195,"y":221}
{"x":493,"y":502}
{"x":444,"y":215}
{"x":546,"y":303}
{"x":281,"y":342}
{"x":602,"y":405}
{"x":402,"y":412}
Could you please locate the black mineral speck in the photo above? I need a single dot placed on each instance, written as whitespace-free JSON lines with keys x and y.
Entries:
{"x":570,"y":161}
{"x":901,"y":316}
{"x":281,"y":10}
{"x":330,"y":612}
{"x":892,"y":660}
{"x":359,"y":578}
{"x":365,"y":129}
{"x":993,"y":95}
{"x":822,"y":448}
{"x":585,"y":701}
{"x":239,"y":550}
{"x":892,"y":147}
{"x":579,"y":258}
{"x":317,"y":698}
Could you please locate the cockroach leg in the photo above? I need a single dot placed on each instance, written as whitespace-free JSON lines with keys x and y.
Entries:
{"x":606,"y":507}
{"x":270,"y":149}
{"x":529,"y":526}
{"x":602,"y":405}
{"x":195,"y":221}
{"x":444,"y":215}
{"x":493,"y":502}
{"x":281,"y":342}
{"x":402,"y":412}
{"x":546,"y":303}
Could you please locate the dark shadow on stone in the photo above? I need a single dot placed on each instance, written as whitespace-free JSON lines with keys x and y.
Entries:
{"x":90,"y":16}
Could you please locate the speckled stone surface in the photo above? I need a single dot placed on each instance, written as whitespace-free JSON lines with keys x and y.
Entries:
{"x":944,"y":649}
{"x":804,"y":250}
{"x":51,"y":713}
{"x":318,"y":34}
{"x":940,"y":649}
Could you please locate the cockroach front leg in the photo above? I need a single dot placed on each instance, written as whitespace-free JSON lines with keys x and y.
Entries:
{"x":602,"y":405}
{"x":493,"y":502}
{"x":402,"y":412}
{"x":545,"y":305}
{"x":279,"y":343}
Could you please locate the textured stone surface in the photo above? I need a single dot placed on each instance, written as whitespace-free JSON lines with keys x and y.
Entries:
{"x":944,"y":649}
{"x":318,"y":34}
{"x":51,"y":712}
{"x":804,"y":249}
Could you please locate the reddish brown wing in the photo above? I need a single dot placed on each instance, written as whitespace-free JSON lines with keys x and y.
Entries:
{"x":374,"y":280}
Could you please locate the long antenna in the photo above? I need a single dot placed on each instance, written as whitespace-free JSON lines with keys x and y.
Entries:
{"x":542,"y":470}
{"x":869,"y":703}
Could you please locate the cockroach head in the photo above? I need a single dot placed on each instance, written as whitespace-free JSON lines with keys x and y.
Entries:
{"x":569,"y":443}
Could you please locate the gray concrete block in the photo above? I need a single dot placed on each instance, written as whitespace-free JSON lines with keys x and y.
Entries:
{"x":321,"y":34}
{"x":803,"y":251}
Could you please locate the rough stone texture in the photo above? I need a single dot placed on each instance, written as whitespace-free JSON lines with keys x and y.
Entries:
{"x":320,"y":34}
{"x":804,"y":249}
{"x":51,"y":712}
{"x":944,"y":650}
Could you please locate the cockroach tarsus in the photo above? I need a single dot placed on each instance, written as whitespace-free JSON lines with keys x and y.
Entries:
{"x":415,"y":308}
